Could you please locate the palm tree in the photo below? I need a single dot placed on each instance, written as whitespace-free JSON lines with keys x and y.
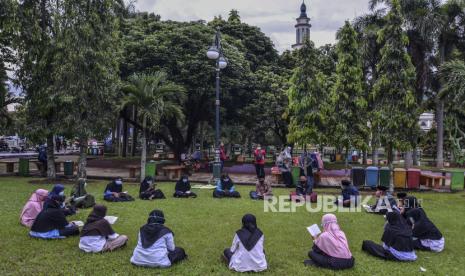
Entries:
{"x":156,"y":98}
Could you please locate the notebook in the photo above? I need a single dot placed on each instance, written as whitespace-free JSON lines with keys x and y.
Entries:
{"x":78,"y":223}
{"x":314,"y":230}
{"x":111,"y":219}
{"x":367,"y":208}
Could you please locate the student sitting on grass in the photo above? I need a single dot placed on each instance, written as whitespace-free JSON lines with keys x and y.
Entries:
{"x":148,"y":190}
{"x":155,"y":245}
{"x":426,"y":236}
{"x":303,"y":187}
{"x":97,"y":234}
{"x":33,"y":207}
{"x":247,"y":252}
{"x":58,"y":190}
{"x":349,"y":195}
{"x":225,"y":188}
{"x":409,"y":203}
{"x":114,"y":192}
{"x":330,"y":248}
{"x":385,"y":202}
{"x":79,"y":196}
{"x":397,"y":241}
{"x":183,"y":188}
{"x":51,"y":222}
{"x":262,"y":189}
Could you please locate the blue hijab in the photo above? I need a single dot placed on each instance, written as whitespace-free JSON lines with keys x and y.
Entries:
{"x":56,"y":190}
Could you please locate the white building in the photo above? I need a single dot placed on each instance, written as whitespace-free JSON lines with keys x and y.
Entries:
{"x":426,"y":121}
{"x":302,"y":28}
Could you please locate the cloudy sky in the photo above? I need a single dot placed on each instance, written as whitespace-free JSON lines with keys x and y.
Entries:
{"x":275,"y":17}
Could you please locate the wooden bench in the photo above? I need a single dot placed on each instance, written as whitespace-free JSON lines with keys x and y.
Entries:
{"x":133,"y":170}
{"x":276,"y":177}
{"x":10,"y":165}
{"x":431,"y":180}
{"x":173,"y":172}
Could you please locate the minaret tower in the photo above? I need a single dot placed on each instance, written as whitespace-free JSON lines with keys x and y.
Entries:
{"x":302,"y":28}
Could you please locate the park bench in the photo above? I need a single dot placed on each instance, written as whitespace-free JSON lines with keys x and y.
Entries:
{"x":10,"y":165}
{"x":173,"y":172}
{"x":432,"y":180}
{"x":276,"y":175}
{"x":133,"y":169}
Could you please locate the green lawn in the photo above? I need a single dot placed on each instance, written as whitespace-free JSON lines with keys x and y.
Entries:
{"x":205,"y":226}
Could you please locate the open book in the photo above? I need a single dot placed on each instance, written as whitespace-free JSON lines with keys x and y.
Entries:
{"x":314,"y":230}
{"x":111,"y":219}
{"x":78,"y":223}
{"x":367,"y":208}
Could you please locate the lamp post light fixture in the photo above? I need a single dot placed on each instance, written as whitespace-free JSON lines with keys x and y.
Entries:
{"x":215,"y":52}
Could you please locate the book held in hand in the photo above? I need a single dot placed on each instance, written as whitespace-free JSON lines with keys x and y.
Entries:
{"x":314,"y":230}
{"x":111,"y":219}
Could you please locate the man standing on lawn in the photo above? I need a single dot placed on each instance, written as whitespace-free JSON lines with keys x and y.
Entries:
{"x":259,"y":157}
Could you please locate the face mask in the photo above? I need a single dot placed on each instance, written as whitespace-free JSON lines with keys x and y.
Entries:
{"x":184,"y":180}
{"x":259,"y":148}
{"x":62,"y":193}
{"x":150,"y":182}
{"x":85,"y":184}
{"x":119,"y":182}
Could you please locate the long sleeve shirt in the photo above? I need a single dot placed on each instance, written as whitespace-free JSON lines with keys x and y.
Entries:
{"x":243,"y":260}
{"x":156,"y":255}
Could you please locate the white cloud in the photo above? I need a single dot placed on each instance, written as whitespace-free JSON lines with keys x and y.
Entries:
{"x":276,"y":18}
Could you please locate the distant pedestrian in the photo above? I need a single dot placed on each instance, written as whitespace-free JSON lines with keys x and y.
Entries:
{"x":259,"y":157}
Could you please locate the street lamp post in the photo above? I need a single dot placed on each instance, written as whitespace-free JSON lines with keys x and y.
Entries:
{"x":215,"y":52}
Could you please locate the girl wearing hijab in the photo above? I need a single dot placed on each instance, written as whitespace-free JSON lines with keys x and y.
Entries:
{"x":426,"y":236}
{"x":148,"y":191}
{"x":58,"y":190}
{"x":51,"y":223}
{"x":114,"y":192}
{"x":263,"y":188}
{"x":97,"y":234}
{"x":33,"y":207}
{"x":155,"y":245}
{"x":79,"y":196}
{"x":331,"y":249}
{"x":409,"y":203}
{"x":225,"y":188}
{"x":397,"y":241}
{"x":247,"y":253}
{"x":183,"y":188}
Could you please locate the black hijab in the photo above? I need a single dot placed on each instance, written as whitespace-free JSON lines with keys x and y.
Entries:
{"x":154,"y":229}
{"x":144,"y":186}
{"x":96,"y":224}
{"x":411,"y":202}
{"x":226,"y":182}
{"x":183,"y":186}
{"x":423,"y":228}
{"x":113,"y":187}
{"x":249,"y":234}
{"x":397,"y":234}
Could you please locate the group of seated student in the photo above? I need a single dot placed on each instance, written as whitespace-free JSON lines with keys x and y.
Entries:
{"x":33,"y":207}
{"x":349,"y":194}
{"x":148,"y":190}
{"x":155,"y":244}
{"x":183,"y":188}
{"x":51,"y":222}
{"x":97,"y":235}
{"x":225,"y":188}
{"x":114,"y":192}
{"x":331,"y":248}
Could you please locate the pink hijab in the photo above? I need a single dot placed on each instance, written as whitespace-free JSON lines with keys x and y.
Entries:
{"x":333,"y":241}
{"x":33,"y":207}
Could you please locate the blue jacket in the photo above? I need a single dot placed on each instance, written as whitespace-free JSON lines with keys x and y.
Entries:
{"x":219,"y":186}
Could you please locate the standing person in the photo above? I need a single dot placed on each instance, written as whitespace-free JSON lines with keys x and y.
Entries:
{"x":183,"y":188}
{"x":307,"y":166}
{"x":97,"y":235}
{"x":426,"y":236}
{"x":223,"y":156}
{"x":79,"y":196}
{"x":259,"y":161}
{"x":225,"y":188}
{"x":155,"y":245}
{"x":51,"y":223}
{"x":397,"y":241}
{"x":284,"y":163}
{"x":247,"y":253}
{"x":331,"y":248}
{"x":148,"y":189}
{"x":33,"y":207}
{"x":114,"y":192}
{"x":43,"y":159}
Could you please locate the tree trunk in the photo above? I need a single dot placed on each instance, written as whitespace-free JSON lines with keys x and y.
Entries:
{"x":118,"y":137}
{"x":134,"y":132}
{"x":51,"y":173}
{"x":347,"y":158}
{"x":440,"y":133}
{"x":143,"y":155}
{"x":408,"y":162}
{"x":390,"y":154}
{"x":82,"y":161}
{"x":415,"y":157}
{"x":125,"y":138}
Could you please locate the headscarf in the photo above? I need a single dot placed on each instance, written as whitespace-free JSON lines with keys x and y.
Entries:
{"x":423,"y":228}
{"x":114,"y":187}
{"x":33,"y":207}
{"x":333,"y":241}
{"x":263,"y":188}
{"x":58,"y":189}
{"x":226,"y":182}
{"x":411,"y":202}
{"x":249,"y":234}
{"x":287,"y":153}
{"x":79,"y":188}
{"x":96,"y":224}
{"x":154,"y":229}
{"x":183,"y":184}
{"x":397,"y":234}
{"x":145,"y":185}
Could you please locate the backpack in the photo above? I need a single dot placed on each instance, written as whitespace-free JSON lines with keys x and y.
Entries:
{"x":259,"y":156}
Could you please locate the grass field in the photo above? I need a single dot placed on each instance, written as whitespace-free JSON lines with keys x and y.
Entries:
{"x":205,"y":226}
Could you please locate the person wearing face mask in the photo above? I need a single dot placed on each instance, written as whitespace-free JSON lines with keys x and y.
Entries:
{"x":247,"y":253}
{"x":225,"y":188}
{"x":58,"y":190}
{"x":148,"y":190}
{"x":385,"y":202}
{"x":51,"y":223}
{"x":350,"y":194}
{"x":183,"y":188}
{"x":114,"y":192}
{"x":33,"y":207}
{"x":79,"y":196}
{"x":331,"y":248}
{"x":284,"y":163}
{"x":259,"y":157}
{"x":155,"y":245}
